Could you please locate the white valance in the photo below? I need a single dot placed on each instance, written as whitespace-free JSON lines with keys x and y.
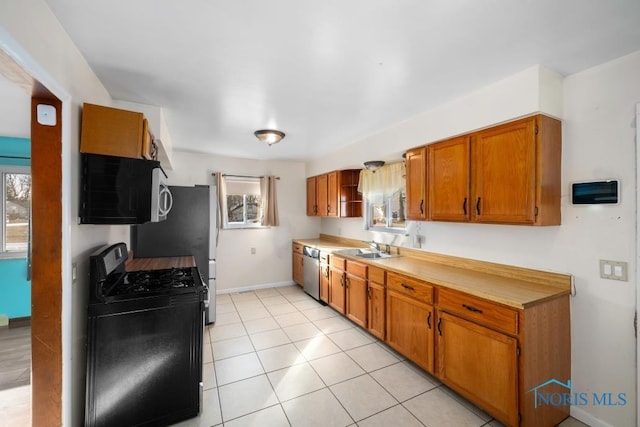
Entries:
{"x":379,"y":185}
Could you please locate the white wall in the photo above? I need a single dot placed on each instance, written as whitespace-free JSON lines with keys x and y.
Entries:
{"x":236,"y":267}
{"x":598,"y":142}
{"x":31,"y":35}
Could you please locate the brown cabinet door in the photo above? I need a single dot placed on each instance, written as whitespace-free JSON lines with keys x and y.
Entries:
{"x":376,"y":310}
{"x":448,"y":183}
{"x":324,"y":282}
{"x":480,"y":364}
{"x":322,"y":195}
{"x":337,"y":290}
{"x":111,"y":131}
{"x":312,"y":196}
{"x":333,"y":203}
{"x":298,"y":275}
{"x":410,"y":326}
{"x":415,"y":184}
{"x":504,"y":173}
{"x":356,"y":304}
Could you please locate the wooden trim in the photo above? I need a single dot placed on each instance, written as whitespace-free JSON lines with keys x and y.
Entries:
{"x":46,"y":283}
{"x":556,"y":280}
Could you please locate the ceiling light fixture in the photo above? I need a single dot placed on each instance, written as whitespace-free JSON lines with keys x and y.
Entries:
{"x":373,"y":165}
{"x":269,"y":136}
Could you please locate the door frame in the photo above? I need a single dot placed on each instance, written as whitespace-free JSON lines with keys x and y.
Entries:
{"x":53,"y":405}
{"x":637,"y":143}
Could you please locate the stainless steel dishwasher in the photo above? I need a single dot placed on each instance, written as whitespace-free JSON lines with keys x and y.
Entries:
{"x":311,"y":271}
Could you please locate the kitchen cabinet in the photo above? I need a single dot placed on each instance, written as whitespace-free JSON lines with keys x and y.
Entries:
{"x":481,"y":363}
{"x":337,"y":281}
{"x":115,"y":132}
{"x":376,"y":309}
{"x":324,"y":277}
{"x":356,"y":292}
{"x":334,"y":194}
{"x":312,"y":197}
{"x":448,"y":183}
{"x":506,"y":174}
{"x":298,"y":259}
{"x":411,"y":319}
{"x":516,"y":172}
{"x":416,"y":185}
{"x":350,"y":197}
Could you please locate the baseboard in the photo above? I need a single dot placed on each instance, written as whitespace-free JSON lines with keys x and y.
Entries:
{"x":18,"y":322}
{"x":585,"y":417}
{"x":254,"y":287}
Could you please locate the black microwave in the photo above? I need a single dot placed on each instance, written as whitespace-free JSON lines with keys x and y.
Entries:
{"x":122,"y":190}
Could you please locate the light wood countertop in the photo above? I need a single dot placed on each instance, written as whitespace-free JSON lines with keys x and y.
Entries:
{"x":511,"y":289}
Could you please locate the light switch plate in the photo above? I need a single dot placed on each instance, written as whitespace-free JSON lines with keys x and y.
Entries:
{"x":46,"y":114}
{"x":613,"y":270}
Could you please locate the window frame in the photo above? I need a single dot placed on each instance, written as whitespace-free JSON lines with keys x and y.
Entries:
{"x":389,"y":228}
{"x":244,"y":224}
{"x":4,"y":170}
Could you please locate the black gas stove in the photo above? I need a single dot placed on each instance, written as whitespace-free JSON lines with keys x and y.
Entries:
{"x":144,"y":342}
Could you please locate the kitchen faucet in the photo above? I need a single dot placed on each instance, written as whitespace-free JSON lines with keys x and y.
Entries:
{"x":374,"y":245}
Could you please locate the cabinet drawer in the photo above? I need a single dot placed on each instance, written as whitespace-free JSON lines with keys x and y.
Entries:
{"x":376,"y":275}
{"x":356,"y":269}
{"x":483,"y":311}
{"x":337,"y":262}
{"x":324,"y":258}
{"x":297,"y":248}
{"x":411,"y":287}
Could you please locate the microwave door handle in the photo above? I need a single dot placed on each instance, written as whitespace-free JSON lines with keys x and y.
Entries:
{"x":165,"y":202}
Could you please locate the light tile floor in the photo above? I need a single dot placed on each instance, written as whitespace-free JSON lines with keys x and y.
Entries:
{"x":276,"y":357}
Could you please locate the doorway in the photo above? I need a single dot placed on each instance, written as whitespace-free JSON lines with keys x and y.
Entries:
{"x":46,"y":248}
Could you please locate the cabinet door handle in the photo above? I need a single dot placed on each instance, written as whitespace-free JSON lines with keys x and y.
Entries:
{"x":429,"y":320}
{"x":315,"y":209}
{"x":472,"y":308}
{"x":478,"y":206}
{"x":421,"y":206}
{"x":464,"y":206}
{"x":328,"y":209}
{"x":407,"y":287}
{"x":369,"y":291}
{"x":440,"y":326}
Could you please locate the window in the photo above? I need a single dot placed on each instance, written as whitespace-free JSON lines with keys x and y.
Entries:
{"x":16,"y":206}
{"x":387,"y":216}
{"x":243,"y":203}
{"x":384,"y":194}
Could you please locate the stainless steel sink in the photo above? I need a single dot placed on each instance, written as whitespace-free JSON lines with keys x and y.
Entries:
{"x":364,"y":253}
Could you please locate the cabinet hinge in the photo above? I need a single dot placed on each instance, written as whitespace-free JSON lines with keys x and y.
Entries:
{"x":535,"y":211}
{"x":536,"y":129}
{"x":517,"y":351}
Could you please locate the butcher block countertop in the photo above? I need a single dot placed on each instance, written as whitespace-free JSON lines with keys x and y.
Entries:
{"x":512,"y":286}
{"x":160,"y":263}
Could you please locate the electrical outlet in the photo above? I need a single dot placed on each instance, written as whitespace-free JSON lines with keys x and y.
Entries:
{"x":253,"y":251}
{"x":74,"y":272}
{"x":613,"y":270}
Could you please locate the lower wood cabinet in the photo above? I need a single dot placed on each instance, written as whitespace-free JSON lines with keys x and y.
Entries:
{"x":479,"y":363}
{"x":325,"y":277}
{"x":410,"y":326}
{"x":376,"y":306}
{"x":356,"y":308}
{"x":337,"y":281}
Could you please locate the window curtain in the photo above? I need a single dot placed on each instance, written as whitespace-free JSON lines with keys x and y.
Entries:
{"x":269,"y":201}
{"x":221,"y":192}
{"x":379,"y":185}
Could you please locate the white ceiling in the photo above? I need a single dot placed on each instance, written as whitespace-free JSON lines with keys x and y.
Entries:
{"x":329,"y":72}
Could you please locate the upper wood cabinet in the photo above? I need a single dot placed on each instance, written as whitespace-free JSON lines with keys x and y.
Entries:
{"x":449,"y":179}
{"x":516,"y":172}
{"x":334,"y":194}
{"x":115,"y":132}
{"x":416,"y":163}
{"x":312,"y":197}
{"x":507,"y":174}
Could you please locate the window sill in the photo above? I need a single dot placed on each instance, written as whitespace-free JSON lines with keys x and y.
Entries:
{"x":12,"y":255}
{"x":400,"y":231}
